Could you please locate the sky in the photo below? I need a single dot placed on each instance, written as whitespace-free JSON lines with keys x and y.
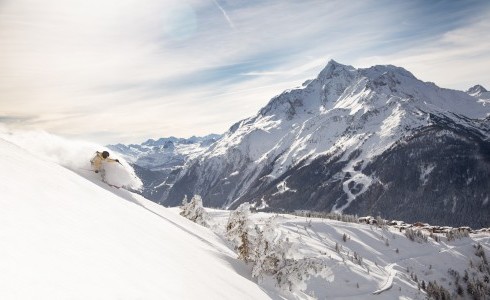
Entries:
{"x":124,"y":71}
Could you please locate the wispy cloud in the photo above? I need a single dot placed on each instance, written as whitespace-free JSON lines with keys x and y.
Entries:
{"x":224,"y":14}
{"x":458,"y":58}
{"x":150,"y":68}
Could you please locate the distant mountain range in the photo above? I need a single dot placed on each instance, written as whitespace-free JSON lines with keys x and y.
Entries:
{"x":158,"y":162}
{"x":373,"y":141}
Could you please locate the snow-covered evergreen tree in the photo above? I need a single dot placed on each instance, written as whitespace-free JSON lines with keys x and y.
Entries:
{"x":194,"y":211}
{"x":271,"y":251}
{"x":416,"y":235}
{"x":295,"y":273}
{"x":241,"y":233}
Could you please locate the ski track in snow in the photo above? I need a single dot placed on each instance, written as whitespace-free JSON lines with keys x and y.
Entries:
{"x":389,"y":281}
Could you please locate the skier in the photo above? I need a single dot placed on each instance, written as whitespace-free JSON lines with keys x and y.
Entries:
{"x":97,"y":162}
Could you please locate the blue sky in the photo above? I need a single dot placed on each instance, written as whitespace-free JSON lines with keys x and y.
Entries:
{"x":124,"y":71}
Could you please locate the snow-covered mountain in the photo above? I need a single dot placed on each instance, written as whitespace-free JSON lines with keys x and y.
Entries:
{"x":479,"y":92}
{"x":165,"y":153}
{"x":366,"y":141}
{"x":67,"y":235}
{"x":157,"y":162}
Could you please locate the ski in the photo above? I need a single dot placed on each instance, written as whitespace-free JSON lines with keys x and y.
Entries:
{"x":111,"y":185}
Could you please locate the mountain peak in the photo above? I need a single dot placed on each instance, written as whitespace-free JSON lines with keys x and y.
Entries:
{"x":382,"y":70}
{"x":333,"y":62}
{"x":476,"y":90}
{"x":333,"y":68}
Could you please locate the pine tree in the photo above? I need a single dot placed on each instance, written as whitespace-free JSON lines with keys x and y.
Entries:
{"x":194,"y":211}
{"x":271,"y":251}
{"x":239,"y":231}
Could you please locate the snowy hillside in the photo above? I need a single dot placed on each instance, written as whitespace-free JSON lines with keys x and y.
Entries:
{"x":362,"y":261}
{"x":69,"y":236}
{"x":338,"y":143}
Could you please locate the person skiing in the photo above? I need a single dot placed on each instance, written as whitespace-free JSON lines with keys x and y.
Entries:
{"x":97,"y":162}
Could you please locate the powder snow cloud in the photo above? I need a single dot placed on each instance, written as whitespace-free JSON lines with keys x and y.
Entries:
{"x":71,"y":154}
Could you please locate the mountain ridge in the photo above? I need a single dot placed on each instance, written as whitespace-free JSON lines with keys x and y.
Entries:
{"x":157,"y":162}
{"x":347,"y":116}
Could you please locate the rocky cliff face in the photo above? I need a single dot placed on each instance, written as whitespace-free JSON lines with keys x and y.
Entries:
{"x":365,"y":141}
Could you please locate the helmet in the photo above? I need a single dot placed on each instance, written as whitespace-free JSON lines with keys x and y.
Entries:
{"x":105,"y":154}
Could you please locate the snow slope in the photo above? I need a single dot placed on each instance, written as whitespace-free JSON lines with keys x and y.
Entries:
{"x":64,"y":236}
